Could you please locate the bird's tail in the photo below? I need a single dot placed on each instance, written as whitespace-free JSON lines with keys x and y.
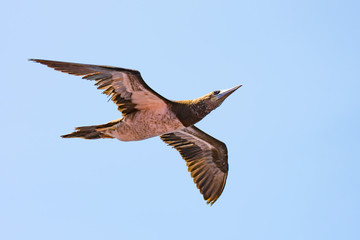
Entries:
{"x":94,"y":132}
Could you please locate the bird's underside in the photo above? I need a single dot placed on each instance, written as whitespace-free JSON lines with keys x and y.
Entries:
{"x":148,"y":114}
{"x":134,"y":126}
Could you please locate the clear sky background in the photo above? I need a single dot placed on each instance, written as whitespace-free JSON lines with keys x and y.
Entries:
{"x":292,"y":130}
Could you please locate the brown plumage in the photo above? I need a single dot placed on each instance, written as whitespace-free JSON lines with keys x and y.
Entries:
{"x":147,"y":114}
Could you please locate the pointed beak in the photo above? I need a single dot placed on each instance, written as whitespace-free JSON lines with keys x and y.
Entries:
{"x":225,"y":93}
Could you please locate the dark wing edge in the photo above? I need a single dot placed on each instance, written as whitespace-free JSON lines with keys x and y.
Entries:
{"x":206,"y":159}
{"x":104,"y":81}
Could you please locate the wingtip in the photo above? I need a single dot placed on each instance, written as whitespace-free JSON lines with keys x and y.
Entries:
{"x":210,"y":202}
{"x":34,"y":60}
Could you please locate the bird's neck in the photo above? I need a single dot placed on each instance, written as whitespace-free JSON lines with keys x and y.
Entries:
{"x":190,"y":112}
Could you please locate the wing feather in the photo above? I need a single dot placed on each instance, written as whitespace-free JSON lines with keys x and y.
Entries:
{"x":206,"y":159}
{"x":125,"y":87}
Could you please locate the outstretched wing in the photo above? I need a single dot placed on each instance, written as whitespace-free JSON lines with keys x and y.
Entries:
{"x":126,"y":87}
{"x":206,"y":158}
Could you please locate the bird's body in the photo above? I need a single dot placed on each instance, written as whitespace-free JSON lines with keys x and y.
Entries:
{"x":145,"y":124}
{"x":147,"y":114}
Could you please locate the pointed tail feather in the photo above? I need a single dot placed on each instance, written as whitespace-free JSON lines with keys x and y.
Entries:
{"x":93,"y":132}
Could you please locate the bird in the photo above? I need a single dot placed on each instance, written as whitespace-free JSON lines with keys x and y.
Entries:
{"x":146,"y":114}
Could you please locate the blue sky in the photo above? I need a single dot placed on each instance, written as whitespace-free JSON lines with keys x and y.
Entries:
{"x":292,"y":130}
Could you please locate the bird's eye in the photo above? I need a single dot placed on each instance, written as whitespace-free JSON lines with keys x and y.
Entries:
{"x":216,"y":92}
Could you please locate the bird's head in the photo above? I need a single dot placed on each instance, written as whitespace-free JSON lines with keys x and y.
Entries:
{"x":191,"y":111}
{"x":215,"y":98}
{"x":202,"y":106}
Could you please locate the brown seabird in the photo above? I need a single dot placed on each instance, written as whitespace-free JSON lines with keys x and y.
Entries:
{"x":147,"y":114}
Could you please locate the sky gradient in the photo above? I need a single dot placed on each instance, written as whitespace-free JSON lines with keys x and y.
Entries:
{"x":292,"y":131}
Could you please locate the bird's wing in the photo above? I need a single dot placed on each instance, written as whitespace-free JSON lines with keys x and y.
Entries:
{"x":125,"y":87}
{"x":206,"y":158}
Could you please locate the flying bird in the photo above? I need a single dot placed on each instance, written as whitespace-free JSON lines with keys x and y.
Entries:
{"x":145,"y":114}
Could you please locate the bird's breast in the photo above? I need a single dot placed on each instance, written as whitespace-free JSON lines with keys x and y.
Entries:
{"x":147,"y":123}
